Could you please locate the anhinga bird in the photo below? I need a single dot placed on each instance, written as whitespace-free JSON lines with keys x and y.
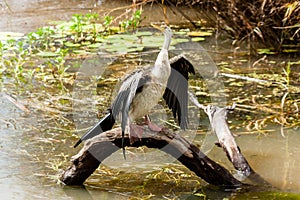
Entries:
{"x":141,"y":91}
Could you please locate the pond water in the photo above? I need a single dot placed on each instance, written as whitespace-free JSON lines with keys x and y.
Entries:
{"x":37,"y":135}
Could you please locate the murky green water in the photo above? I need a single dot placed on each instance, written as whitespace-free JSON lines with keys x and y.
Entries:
{"x":37,"y":145}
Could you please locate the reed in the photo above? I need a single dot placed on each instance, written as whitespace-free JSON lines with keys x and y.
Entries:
{"x":273,"y":23}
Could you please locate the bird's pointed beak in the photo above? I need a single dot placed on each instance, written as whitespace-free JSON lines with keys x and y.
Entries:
{"x":157,"y":27}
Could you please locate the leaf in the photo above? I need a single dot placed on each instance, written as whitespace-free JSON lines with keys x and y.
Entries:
{"x":95,"y":45}
{"x":47,"y":54}
{"x":180,"y":33}
{"x":70,"y":44}
{"x":10,"y":35}
{"x":198,"y":39}
{"x":178,"y":40}
{"x":265,"y":51}
{"x":143,"y":33}
{"x":199,"y":33}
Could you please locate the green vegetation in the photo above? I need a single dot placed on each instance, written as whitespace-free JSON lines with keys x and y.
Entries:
{"x":47,"y":49}
{"x":133,"y":22}
{"x":43,"y":54}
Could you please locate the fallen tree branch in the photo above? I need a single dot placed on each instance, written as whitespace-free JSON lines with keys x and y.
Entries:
{"x":217,"y":117}
{"x":218,"y":120}
{"x":98,"y":148}
{"x":256,"y":80}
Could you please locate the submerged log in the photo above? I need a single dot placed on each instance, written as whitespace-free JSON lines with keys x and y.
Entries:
{"x":102,"y":146}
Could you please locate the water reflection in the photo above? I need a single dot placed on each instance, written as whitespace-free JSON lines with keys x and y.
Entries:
{"x":27,"y":15}
{"x":13,"y":167}
{"x":272,"y":156}
{"x":275,"y":157}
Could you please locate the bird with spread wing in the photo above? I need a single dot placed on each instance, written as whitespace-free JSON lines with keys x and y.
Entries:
{"x":141,"y":90}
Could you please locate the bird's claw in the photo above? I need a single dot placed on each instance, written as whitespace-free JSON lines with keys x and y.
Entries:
{"x":136,"y":133}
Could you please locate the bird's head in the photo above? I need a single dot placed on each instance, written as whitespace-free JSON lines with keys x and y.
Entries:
{"x":164,"y":28}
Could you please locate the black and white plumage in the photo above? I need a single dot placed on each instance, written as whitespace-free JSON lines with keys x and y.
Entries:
{"x":141,"y":91}
{"x":176,"y":93}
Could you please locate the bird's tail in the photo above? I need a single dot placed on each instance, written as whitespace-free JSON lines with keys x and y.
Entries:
{"x":105,"y":124}
{"x":123,"y":147}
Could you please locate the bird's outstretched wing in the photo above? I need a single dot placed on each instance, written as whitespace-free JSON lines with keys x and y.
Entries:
{"x":121,"y":105}
{"x":176,"y":93}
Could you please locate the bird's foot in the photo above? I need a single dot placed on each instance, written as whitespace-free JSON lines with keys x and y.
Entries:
{"x":152,"y":126}
{"x":136,"y":133}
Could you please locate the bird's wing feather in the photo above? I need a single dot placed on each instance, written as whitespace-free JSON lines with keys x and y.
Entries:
{"x":123,"y":100}
{"x":176,"y":93}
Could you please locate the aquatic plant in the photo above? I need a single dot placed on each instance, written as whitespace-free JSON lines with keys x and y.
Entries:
{"x":51,"y":44}
{"x":48,"y":47}
{"x":133,"y":22}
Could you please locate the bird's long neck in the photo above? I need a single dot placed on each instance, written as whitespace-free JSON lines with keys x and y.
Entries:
{"x":163,"y":54}
{"x":162,"y":65}
{"x":167,"y":41}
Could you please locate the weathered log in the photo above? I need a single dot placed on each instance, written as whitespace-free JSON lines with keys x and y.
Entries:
{"x":218,"y":120}
{"x":100,"y":147}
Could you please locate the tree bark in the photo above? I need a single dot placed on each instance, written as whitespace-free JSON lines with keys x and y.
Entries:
{"x":218,"y":120}
{"x":102,"y":146}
